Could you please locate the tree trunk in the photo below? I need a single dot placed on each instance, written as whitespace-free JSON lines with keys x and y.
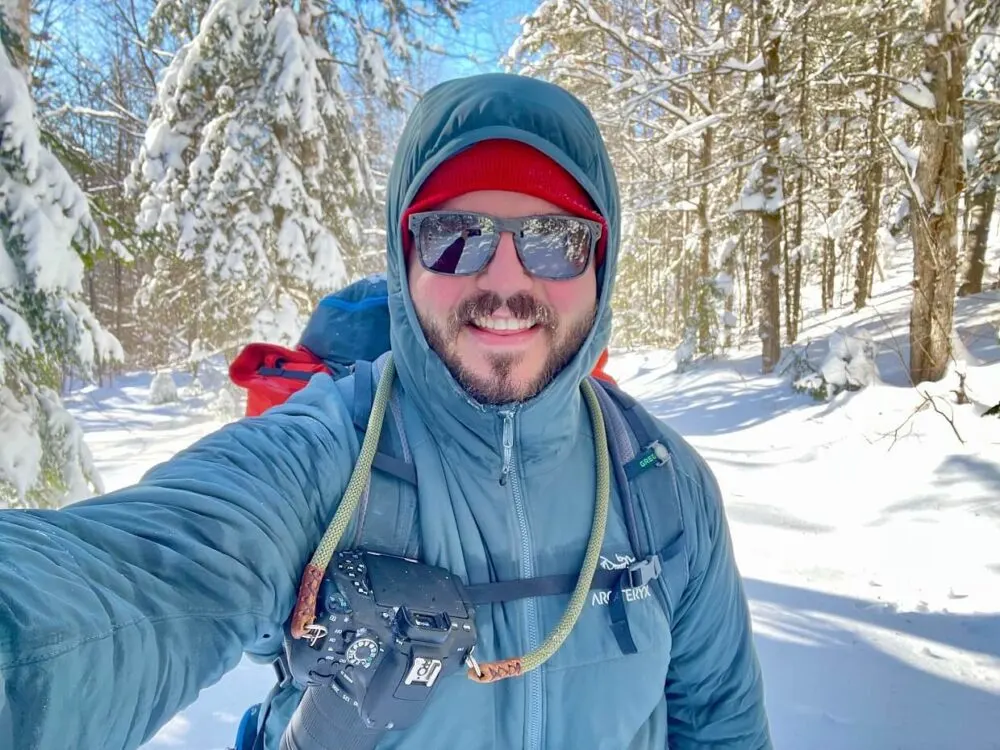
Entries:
{"x":833,"y":198}
{"x":873,"y":176}
{"x":707,"y":316}
{"x":746,"y":244}
{"x":980,"y":211}
{"x":828,"y":258}
{"x":828,"y":271}
{"x":793,"y":271}
{"x":939,"y":180}
{"x":119,"y":298}
{"x":770,"y":214}
{"x":17,"y":14}
{"x":786,"y":268}
{"x":749,"y":256}
{"x":795,"y":314}
{"x":672,"y":248}
{"x":729,"y":266}
{"x":706,"y":299}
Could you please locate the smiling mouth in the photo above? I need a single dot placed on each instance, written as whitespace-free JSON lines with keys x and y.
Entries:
{"x":504,"y":331}
{"x":504,"y":326}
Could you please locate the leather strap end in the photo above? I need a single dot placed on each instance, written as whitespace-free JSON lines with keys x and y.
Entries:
{"x":494,"y":671}
{"x":305,"y":606}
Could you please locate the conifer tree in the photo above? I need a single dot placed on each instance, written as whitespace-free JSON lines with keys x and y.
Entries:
{"x":46,"y":329}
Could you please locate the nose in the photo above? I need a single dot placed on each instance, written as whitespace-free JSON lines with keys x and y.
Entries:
{"x":505,"y":275}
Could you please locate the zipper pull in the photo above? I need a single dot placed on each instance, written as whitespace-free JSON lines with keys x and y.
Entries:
{"x":508,"y":445}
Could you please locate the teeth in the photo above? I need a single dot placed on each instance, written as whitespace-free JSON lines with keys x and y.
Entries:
{"x":504,"y":324}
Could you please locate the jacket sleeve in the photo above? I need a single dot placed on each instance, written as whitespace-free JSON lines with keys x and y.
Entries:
{"x":714,"y":689}
{"x":115,"y":612}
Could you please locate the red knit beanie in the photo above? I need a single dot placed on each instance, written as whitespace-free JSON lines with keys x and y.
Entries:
{"x":505,"y":165}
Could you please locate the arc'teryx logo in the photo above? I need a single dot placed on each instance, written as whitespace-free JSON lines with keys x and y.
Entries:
{"x":620,"y":562}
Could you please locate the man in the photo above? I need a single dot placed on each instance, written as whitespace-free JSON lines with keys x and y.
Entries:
{"x":117,"y":611}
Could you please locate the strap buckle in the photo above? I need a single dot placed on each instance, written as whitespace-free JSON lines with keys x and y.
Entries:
{"x":653,"y":456}
{"x":660,"y":451}
{"x":642,"y":572}
{"x":282,"y":670}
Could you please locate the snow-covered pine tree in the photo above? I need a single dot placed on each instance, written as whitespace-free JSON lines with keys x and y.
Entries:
{"x":255,"y":172}
{"x":46,"y":330}
{"x":248,"y":171}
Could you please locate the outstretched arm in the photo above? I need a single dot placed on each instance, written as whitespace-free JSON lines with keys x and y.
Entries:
{"x":117,"y":611}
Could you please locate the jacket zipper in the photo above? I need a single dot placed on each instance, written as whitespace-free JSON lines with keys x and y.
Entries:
{"x":508,"y":445}
{"x":533,"y":678}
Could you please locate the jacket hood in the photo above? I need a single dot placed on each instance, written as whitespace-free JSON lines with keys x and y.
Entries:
{"x":451,"y":117}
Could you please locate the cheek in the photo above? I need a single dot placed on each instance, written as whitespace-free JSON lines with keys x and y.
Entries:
{"x":435,"y":295}
{"x":570,"y":299}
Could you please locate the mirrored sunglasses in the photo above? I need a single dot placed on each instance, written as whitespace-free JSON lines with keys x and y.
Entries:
{"x":461,"y":243}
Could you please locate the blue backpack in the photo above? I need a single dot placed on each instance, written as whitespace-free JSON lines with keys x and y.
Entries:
{"x":348,"y":333}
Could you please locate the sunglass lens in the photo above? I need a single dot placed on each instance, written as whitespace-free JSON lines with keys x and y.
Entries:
{"x":555,"y":247}
{"x":455,"y":243}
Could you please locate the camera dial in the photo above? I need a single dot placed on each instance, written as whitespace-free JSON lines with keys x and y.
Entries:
{"x":362,"y":652}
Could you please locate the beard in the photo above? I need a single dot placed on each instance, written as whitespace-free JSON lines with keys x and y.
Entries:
{"x":498,"y":386}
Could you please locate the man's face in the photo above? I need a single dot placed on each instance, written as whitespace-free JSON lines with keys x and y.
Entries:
{"x":476,"y":324}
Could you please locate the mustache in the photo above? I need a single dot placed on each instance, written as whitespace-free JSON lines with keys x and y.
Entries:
{"x":522,"y":306}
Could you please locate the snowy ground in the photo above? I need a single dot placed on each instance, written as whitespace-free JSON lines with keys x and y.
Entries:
{"x":869,"y":536}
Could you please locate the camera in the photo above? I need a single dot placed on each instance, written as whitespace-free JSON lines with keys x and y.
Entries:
{"x":387,"y":630}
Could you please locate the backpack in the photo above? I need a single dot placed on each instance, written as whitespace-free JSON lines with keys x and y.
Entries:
{"x":349,"y":325}
{"x":348,"y":333}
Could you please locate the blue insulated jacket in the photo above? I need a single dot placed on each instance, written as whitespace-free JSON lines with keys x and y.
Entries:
{"x":115,"y":612}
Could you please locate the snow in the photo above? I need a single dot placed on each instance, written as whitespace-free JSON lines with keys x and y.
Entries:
{"x":371,"y":59}
{"x":45,"y":208}
{"x":164,"y":148}
{"x":281,"y":323}
{"x":693,"y":129}
{"x":753,"y":197}
{"x":868,"y":534}
{"x":910,"y":155}
{"x":916,"y":94}
{"x":162,"y":390}
{"x":292,"y":86}
{"x":45,"y":224}
{"x":128,"y":435}
{"x":78,"y":470}
{"x":754,"y":66}
{"x":18,"y":330}
{"x":850,"y":362}
{"x":20,"y":460}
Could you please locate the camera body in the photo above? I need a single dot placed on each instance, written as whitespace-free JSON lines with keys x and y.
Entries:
{"x":387,"y":629}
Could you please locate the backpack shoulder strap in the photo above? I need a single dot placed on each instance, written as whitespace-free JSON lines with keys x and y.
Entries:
{"x":650,"y":499}
{"x":390,"y":524}
{"x":385,"y":461}
{"x":364,"y":395}
{"x":659,"y":505}
{"x":622,"y":451}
